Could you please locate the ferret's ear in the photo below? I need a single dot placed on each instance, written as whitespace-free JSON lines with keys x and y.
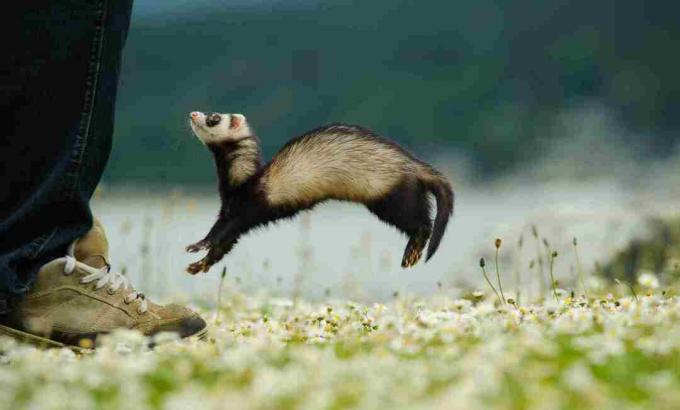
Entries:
{"x":236,"y":121}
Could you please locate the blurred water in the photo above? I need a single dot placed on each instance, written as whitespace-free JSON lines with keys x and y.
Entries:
{"x":342,"y":250}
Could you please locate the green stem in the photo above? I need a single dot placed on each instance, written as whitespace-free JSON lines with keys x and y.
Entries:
{"x":580,"y":271}
{"x":518,"y":280}
{"x":219,"y":293}
{"x":498,"y":277}
{"x":490,"y":284}
{"x":552,"y":278}
{"x":632,"y":290}
{"x":539,"y":269}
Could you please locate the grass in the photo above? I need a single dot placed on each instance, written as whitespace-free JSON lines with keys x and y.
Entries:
{"x":275,"y":353}
{"x":612,"y":346}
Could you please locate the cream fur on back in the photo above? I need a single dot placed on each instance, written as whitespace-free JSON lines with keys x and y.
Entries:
{"x":335,"y":165}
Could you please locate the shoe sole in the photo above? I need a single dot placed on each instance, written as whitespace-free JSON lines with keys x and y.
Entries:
{"x":38,"y":341}
{"x":45,"y":343}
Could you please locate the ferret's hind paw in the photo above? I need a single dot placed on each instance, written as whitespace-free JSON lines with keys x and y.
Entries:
{"x":411,"y":259}
{"x":413,"y":252}
{"x":198,"y":246}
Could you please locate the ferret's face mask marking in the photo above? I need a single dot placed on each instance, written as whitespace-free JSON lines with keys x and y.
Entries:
{"x":212,"y":128}
{"x":212,"y":119}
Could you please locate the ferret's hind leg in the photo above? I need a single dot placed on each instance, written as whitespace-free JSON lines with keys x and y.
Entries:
{"x":407,"y":208}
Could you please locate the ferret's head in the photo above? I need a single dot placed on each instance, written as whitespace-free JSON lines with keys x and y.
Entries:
{"x":213,"y":128}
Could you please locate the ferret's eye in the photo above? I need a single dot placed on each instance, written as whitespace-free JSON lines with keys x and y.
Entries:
{"x":212,"y":120}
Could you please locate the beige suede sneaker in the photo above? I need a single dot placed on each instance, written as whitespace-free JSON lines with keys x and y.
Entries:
{"x":78,"y":297}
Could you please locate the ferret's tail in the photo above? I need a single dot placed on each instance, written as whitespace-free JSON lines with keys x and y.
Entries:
{"x":441,"y":189}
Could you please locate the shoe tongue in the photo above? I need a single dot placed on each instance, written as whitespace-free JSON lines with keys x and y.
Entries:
{"x":93,"y":248}
{"x":96,"y":261}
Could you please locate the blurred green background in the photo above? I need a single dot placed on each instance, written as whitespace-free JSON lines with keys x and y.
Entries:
{"x":481,"y":79}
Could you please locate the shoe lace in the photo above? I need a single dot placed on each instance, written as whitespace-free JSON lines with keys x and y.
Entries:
{"x":104,"y":276}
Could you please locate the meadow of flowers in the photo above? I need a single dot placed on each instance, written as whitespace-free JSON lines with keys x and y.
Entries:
{"x":292,"y":331}
{"x":607,"y":351}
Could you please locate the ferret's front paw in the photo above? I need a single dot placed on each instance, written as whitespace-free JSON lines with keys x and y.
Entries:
{"x":200,"y":266}
{"x":198,"y":246}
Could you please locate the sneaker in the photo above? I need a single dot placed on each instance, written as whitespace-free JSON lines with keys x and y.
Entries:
{"x":77,"y":297}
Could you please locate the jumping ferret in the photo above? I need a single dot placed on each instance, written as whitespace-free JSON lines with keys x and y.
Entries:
{"x":336,"y":161}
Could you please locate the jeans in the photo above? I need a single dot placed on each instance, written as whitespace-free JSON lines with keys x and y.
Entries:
{"x":57,"y":90}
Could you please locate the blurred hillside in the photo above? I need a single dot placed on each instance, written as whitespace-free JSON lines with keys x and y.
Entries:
{"x":485,"y":79}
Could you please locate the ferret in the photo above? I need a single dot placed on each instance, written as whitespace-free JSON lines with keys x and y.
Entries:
{"x":336,"y":161}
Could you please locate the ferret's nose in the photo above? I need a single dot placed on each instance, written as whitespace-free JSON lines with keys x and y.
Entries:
{"x":194,"y":115}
